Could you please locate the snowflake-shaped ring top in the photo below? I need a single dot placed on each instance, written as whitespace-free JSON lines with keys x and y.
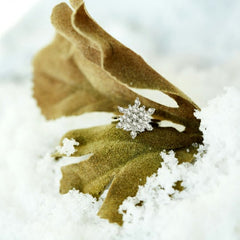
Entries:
{"x":135,"y":118}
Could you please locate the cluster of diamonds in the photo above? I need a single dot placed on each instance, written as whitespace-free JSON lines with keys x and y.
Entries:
{"x":135,"y":118}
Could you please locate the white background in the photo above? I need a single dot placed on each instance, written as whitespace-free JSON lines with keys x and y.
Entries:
{"x":12,"y":11}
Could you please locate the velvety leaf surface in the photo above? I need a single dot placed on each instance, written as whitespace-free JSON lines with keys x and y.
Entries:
{"x":85,"y":69}
{"x":120,"y":161}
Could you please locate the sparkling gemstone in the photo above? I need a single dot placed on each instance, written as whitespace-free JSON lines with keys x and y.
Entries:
{"x":135,"y":110}
{"x":146,"y":118}
{"x":119,"y":125}
{"x":128,"y":120}
{"x":120,"y":109}
{"x":137,"y":102}
{"x":149,"y":127}
{"x":133,"y":134}
{"x":151,"y":111}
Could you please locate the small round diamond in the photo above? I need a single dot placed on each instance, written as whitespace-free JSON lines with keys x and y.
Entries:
{"x":135,"y":110}
{"x":133,"y":134}
{"x":120,"y":109}
{"x":137,"y":102}
{"x":119,"y":125}
{"x":151,"y":111}
{"x":149,"y":127}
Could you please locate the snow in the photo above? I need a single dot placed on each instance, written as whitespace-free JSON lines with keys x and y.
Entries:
{"x":208,"y":208}
{"x":68,"y":147}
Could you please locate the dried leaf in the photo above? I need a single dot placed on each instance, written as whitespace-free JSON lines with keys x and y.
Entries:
{"x":85,"y":69}
{"x":120,"y":161}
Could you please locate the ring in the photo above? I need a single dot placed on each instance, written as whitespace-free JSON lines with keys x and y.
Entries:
{"x":135,"y":118}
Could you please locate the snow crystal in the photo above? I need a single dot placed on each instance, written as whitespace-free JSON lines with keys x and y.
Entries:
{"x":68,"y":147}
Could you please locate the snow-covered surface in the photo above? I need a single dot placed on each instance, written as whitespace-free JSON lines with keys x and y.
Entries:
{"x":196,"y":46}
{"x":208,"y":208}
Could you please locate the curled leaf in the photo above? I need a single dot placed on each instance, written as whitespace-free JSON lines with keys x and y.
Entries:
{"x":85,"y":69}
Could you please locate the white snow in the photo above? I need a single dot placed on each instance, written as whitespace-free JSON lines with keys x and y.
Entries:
{"x":68,"y":147}
{"x":208,"y":208}
{"x":193,"y":44}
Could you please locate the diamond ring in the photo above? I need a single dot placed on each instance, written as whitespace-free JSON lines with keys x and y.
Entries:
{"x":135,"y":118}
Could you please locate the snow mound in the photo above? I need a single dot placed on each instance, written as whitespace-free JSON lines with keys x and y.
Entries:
{"x":32,"y":208}
{"x":208,"y":206}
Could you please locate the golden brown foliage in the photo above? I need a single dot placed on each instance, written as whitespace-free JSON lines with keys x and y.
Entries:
{"x":85,"y":69}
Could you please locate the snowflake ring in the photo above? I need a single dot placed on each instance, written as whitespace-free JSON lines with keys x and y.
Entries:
{"x":135,"y":118}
